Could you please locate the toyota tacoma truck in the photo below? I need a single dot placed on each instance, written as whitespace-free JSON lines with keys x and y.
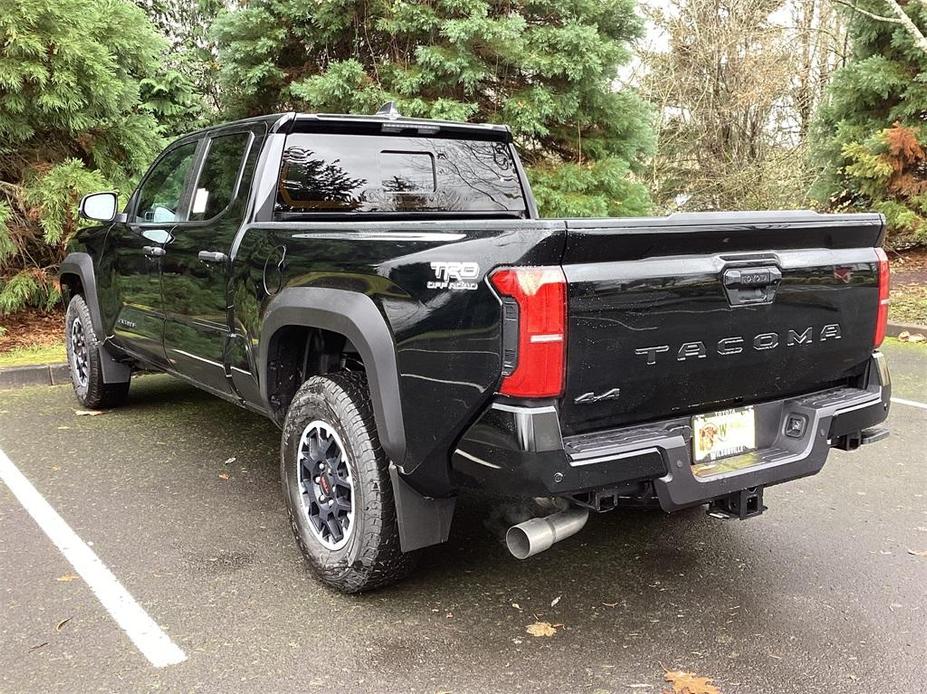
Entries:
{"x":385,"y":291}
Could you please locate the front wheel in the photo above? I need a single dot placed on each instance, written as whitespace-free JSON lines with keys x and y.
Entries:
{"x":337,"y":488}
{"x":85,"y":361}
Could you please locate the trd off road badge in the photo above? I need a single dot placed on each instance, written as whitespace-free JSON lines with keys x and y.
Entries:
{"x":454,"y":275}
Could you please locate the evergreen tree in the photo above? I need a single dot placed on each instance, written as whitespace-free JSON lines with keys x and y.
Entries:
{"x":546,"y":68}
{"x":188,"y":89}
{"x":870,"y":134}
{"x":72,"y":121}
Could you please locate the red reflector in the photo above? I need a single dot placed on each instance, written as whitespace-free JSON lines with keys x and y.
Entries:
{"x":882,"y":317}
{"x":540,"y":293}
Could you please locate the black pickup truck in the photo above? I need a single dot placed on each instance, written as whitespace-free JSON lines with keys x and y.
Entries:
{"x":384,"y":290}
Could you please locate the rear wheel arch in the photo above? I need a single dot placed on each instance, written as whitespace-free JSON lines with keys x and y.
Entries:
{"x":331,"y":326}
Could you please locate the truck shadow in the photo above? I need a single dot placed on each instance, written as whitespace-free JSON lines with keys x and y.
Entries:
{"x":625,"y":557}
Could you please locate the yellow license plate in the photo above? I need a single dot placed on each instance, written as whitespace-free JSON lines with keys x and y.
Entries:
{"x":723,"y":434}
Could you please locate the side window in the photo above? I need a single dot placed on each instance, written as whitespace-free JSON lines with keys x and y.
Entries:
{"x":216,"y":185}
{"x":161,"y":194}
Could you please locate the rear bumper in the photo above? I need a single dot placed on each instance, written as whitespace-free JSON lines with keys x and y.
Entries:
{"x":519,"y":450}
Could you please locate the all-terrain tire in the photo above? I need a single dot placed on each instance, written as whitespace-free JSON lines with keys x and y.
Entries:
{"x":85,"y":362}
{"x":371,"y":557}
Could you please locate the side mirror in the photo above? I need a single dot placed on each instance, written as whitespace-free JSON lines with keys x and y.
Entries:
{"x":100,"y":207}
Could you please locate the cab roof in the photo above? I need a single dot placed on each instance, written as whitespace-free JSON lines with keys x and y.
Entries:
{"x":387,"y":120}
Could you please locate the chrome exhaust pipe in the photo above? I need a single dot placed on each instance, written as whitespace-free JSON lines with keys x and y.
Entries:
{"x":537,"y":534}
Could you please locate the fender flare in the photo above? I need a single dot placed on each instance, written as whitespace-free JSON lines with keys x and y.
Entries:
{"x":80,"y":265}
{"x":357,"y":317}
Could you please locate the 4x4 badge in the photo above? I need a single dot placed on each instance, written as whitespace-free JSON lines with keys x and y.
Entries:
{"x":590,"y":397}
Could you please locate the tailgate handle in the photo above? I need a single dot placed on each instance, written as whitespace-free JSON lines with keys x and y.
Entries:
{"x":747,"y":286}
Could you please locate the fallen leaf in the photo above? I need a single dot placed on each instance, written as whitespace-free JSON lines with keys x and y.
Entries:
{"x":553,"y":603}
{"x":223,"y":476}
{"x":67,"y":578}
{"x":60,"y":625}
{"x":689,"y":683}
{"x":918,"y":552}
{"x":541,"y":629}
{"x":904,"y":335}
{"x":88,"y":413}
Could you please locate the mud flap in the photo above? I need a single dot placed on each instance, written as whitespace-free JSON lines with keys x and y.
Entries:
{"x":113,"y":371}
{"x":423,"y":520}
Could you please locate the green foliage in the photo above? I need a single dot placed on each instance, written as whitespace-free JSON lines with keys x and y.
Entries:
{"x":602,"y":189}
{"x":879,"y":95}
{"x":56,"y":193}
{"x":74,"y":79}
{"x":29,"y":287}
{"x":170,"y":98}
{"x":7,"y":245}
{"x":185,"y":96}
{"x":546,"y":68}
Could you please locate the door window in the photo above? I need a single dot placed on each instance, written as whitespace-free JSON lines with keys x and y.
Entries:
{"x":218,"y":178}
{"x":161,"y":194}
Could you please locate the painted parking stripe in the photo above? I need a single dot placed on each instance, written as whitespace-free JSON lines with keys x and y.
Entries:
{"x":910,"y":403}
{"x":138,"y":626}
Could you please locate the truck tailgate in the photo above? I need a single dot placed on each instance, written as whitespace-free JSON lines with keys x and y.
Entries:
{"x":699,"y":312}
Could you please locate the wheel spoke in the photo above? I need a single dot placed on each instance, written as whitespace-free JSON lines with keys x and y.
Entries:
{"x":334,"y":527}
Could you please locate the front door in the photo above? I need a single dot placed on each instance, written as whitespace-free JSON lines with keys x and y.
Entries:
{"x":136,"y":312}
{"x":195,"y":266}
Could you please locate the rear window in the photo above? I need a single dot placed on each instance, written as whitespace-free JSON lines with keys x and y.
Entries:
{"x":323,"y":172}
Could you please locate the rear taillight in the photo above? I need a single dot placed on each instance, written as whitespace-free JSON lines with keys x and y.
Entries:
{"x":534,"y":305}
{"x":882,"y":319}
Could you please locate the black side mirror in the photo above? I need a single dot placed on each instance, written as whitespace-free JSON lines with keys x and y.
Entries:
{"x":100,"y":207}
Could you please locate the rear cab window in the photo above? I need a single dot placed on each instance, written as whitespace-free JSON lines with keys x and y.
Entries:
{"x":396,"y":174}
{"x":219,"y":175}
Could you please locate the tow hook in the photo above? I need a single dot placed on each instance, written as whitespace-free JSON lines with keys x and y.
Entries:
{"x":743,"y":504}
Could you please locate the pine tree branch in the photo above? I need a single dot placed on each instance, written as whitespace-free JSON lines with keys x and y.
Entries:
{"x":919,"y":39}
{"x":867,"y":13}
{"x":900,"y":18}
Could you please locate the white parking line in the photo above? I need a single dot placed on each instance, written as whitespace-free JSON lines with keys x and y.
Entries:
{"x":910,"y":403}
{"x":142,"y":629}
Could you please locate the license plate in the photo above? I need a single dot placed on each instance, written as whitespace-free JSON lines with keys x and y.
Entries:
{"x":723,"y":434}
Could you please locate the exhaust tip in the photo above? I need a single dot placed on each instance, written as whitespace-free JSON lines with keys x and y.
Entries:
{"x":518,"y":542}
{"x":538,"y":534}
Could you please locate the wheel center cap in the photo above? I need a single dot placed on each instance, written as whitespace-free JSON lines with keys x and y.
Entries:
{"x":325,"y":484}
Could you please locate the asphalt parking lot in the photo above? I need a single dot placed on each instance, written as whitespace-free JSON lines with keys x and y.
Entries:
{"x":826,"y":592}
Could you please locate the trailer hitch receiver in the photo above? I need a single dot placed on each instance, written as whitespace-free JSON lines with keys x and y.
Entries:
{"x":742,"y":504}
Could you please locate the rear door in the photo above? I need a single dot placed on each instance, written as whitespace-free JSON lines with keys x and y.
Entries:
{"x":695,"y":313}
{"x":195,"y":267}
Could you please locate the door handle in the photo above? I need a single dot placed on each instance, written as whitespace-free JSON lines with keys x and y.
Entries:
{"x":751,"y":285}
{"x":212,"y":256}
{"x":153,"y":251}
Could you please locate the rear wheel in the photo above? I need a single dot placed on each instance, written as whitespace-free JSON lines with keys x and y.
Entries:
{"x":337,"y":488}
{"x":84,"y":360}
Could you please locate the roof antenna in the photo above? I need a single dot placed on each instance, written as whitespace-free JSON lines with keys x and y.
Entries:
{"x":389,"y":110}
